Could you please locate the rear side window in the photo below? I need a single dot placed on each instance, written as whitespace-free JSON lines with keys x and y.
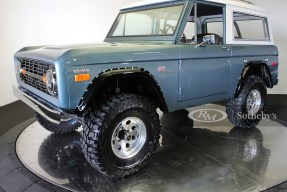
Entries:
{"x":249,"y":27}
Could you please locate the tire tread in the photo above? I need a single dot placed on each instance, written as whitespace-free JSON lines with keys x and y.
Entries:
{"x":236,"y":105}
{"x":97,"y":122}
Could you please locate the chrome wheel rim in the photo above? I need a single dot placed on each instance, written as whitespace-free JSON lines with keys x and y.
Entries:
{"x":250,"y":150}
{"x":128,"y":137}
{"x":254,"y":101}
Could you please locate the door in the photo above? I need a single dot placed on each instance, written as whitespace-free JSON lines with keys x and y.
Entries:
{"x":204,"y":69}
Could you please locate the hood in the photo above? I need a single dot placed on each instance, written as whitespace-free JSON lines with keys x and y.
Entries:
{"x":102,"y":53}
{"x":77,"y":46}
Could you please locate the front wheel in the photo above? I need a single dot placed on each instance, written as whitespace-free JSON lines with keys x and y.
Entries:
{"x":246,"y":110}
{"x":120,"y":136}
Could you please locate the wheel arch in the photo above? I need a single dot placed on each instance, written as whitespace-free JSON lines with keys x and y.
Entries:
{"x":135,"y":76}
{"x":258,"y":68}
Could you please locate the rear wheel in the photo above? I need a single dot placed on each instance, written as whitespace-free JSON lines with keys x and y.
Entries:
{"x":64,"y":127}
{"x":246,"y":110}
{"x":121,"y":135}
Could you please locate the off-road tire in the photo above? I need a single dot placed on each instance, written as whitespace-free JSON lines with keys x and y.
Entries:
{"x":100,"y":123}
{"x":236,"y":107}
{"x":62,"y":128}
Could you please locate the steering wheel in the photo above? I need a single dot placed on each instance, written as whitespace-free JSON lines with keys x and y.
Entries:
{"x":168,"y":27}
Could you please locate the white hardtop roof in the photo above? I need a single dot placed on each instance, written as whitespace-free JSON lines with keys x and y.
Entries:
{"x":236,"y":3}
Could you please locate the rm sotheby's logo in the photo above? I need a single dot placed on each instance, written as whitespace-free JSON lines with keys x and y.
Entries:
{"x":208,"y":115}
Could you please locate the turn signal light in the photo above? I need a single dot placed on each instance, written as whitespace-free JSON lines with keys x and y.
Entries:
{"x":23,"y":71}
{"x":82,"y":77}
{"x":44,"y":78}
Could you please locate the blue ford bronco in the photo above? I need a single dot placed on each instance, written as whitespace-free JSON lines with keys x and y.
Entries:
{"x":166,"y":54}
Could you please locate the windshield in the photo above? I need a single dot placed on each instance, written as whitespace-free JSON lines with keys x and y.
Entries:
{"x":152,"y":22}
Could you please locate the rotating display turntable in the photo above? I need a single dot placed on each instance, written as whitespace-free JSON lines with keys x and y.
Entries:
{"x":207,"y":154}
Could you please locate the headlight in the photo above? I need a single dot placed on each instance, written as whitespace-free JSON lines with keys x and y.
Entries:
{"x":18,"y":69}
{"x":51,"y":82}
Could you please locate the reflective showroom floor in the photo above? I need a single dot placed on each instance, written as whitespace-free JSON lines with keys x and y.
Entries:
{"x":199,"y":156}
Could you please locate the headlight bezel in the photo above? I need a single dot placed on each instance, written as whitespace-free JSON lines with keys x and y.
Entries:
{"x":18,"y":69}
{"x":51,"y":82}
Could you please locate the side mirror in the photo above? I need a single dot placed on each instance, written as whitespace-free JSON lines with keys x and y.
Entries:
{"x":207,"y":40}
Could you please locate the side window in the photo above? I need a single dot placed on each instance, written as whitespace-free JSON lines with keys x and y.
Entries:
{"x":204,"y":19}
{"x":249,"y":27}
{"x":215,"y":27}
{"x":189,"y":32}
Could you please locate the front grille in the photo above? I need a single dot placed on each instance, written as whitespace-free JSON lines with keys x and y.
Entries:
{"x":33,"y":72}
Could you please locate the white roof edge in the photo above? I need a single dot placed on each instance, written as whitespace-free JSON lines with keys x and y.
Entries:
{"x":227,"y":2}
{"x":145,"y":2}
{"x":239,"y":4}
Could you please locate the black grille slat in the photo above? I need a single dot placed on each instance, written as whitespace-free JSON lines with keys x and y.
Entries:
{"x":34,"y":72}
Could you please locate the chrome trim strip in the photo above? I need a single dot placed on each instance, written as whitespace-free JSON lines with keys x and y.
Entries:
{"x":34,"y":104}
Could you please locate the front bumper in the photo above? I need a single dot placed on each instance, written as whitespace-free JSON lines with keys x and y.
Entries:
{"x":49,"y":112}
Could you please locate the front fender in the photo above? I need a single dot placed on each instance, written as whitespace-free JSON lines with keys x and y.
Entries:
{"x":99,"y":82}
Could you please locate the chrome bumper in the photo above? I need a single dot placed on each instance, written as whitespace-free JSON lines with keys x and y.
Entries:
{"x":42,"y":109}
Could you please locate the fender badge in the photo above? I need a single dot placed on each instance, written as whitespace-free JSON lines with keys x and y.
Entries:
{"x":161,"y":69}
{"x":81,"y":70}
